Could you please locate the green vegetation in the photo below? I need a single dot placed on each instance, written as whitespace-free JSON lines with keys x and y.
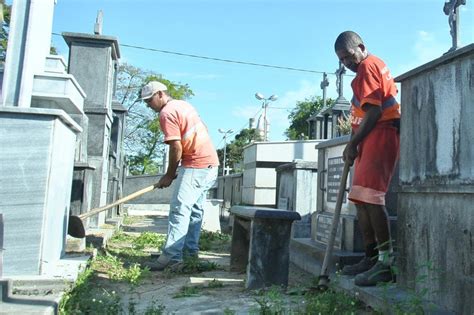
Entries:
{"x":275,"y":301}
{"x":144,"y":145}
{"x":214,"y":241}
{"x":197,"y":290}
{"x":215,"y":284}
{"x":86,"y":298}
{"x":188,"y":291}
{"x":299,"y":115}
{"x":235,"y":149}
{"x":135,"y":248}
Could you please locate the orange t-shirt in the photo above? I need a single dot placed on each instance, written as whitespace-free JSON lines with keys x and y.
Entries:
{"x":374,"y":84}
{"x":180,"y":121}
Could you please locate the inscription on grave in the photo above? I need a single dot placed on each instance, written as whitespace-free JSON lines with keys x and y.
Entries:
{"x":323,"y":230}
{"x":335,"y":167}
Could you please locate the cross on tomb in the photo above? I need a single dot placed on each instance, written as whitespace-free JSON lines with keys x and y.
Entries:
{"x":451,"y":9}
{"x":340,"y":81}
{"x":98,"y":23}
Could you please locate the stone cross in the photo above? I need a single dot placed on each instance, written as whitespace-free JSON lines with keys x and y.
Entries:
{"x":340,"y":80}
{"x":451,"y":8}
{"x":227,"y":169}
{"x":324,"y":85}
{"x":98,"y":23}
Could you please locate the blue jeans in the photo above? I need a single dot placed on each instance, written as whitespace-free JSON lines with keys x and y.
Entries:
{"x":186,"y":211}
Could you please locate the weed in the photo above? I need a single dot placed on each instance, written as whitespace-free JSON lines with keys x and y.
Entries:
{"x":149,"y":240}
{"x":135,"y":274}
{"x":114,"y":268}
{"x":215,"y":284}
{"x":187,"y":292}
{"x":271,"y":302}
{"x":154,"y":309}
{"x":131,"y":307}
{"x":129,"y":220}
{"x":214,"y":241}
{"x":121,"y":237}
{"x":228,"y":311}
{"x":331,"y":302}
{"x":416,"y":303}
{"x":85,"y":298}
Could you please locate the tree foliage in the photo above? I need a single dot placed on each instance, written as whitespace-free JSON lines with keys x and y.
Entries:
{"x":143,"y":141}
{"x":5,"y":30}
{"x":6,"y":9}
{"x":299,"y":115}
{"x":235,"y":149}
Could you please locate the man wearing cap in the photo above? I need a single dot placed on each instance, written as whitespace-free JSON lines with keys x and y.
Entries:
{"x":189,"y":144}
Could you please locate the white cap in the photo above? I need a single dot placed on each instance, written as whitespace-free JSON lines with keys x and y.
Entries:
{"x":151,"y":88}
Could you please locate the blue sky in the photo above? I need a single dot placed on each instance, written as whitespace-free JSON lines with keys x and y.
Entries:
{"x":297,"y":34}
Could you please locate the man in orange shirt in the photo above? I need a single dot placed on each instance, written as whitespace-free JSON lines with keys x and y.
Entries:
{"x":191,"y":146}
{"x":374,"y":147}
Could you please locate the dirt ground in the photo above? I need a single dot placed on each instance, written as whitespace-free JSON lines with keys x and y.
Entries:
{"x":218,"y":291}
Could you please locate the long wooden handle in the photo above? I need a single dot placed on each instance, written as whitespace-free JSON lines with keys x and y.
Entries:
{"x":120,"y":201}
{"x":335,"y":221}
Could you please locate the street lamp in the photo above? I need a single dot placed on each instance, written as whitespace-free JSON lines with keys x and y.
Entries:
{"x":225,"y":132}
{"x":272,"y":98}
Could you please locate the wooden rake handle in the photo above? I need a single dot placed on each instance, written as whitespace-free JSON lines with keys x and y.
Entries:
{"x":118,"y":202}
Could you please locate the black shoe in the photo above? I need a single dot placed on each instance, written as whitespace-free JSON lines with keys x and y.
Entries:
{"x":378,"y":273}
{"x":365,"y":264}
{"x":163,"y":263}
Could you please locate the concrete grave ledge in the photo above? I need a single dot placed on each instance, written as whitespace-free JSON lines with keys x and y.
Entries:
{"x":307,"y":253}
{"x":384,"y":298}
{"x":24,"y":305}
{"x":41,"y":294}
{"x":59,"y":91}
{"x":380,"y":298}
{"x":62,"y":115}
{"x":55,"y":64}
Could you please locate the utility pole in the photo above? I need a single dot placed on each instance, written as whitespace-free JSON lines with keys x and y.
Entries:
{"x":225,"y":132}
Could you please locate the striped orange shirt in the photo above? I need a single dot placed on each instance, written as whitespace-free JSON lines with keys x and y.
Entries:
{"x":180,"y":121}
{"x":374,"y":84}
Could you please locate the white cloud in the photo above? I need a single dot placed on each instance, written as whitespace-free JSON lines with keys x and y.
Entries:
{"x":247,"y":112}
{"x":426,"y":48}
{"x":278,"y":117}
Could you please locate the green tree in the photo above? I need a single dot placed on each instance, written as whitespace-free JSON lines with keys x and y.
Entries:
{"x":235,"y":149}
{"x":5,"y":21}
{"x":299,"y":115}
{"x":5,"y":16}
{"x":143,"y":141}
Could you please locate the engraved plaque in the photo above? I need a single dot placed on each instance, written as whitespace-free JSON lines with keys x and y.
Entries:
{"x":283,"y":203}
{"x":323,"y":230}
{"x":335,"y":168}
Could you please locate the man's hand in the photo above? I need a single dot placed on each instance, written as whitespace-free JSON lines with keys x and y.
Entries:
{"x":350,"y":153}
{"x":165,"y":181}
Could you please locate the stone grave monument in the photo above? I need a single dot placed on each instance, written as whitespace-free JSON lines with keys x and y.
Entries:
{"x":38,"y":140}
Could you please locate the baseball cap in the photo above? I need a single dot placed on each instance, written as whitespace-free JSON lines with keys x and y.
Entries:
{"x":151,"y":88}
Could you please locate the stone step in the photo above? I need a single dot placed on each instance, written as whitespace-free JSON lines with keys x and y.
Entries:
{"x":11,"y":304}
{"x":309,"y":255}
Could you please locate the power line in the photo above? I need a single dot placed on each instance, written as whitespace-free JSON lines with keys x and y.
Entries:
{"x":219,"y":59}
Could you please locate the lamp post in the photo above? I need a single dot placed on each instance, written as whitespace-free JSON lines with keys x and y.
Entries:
{"x":225,"y":132}
{"x":260,"y":97}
